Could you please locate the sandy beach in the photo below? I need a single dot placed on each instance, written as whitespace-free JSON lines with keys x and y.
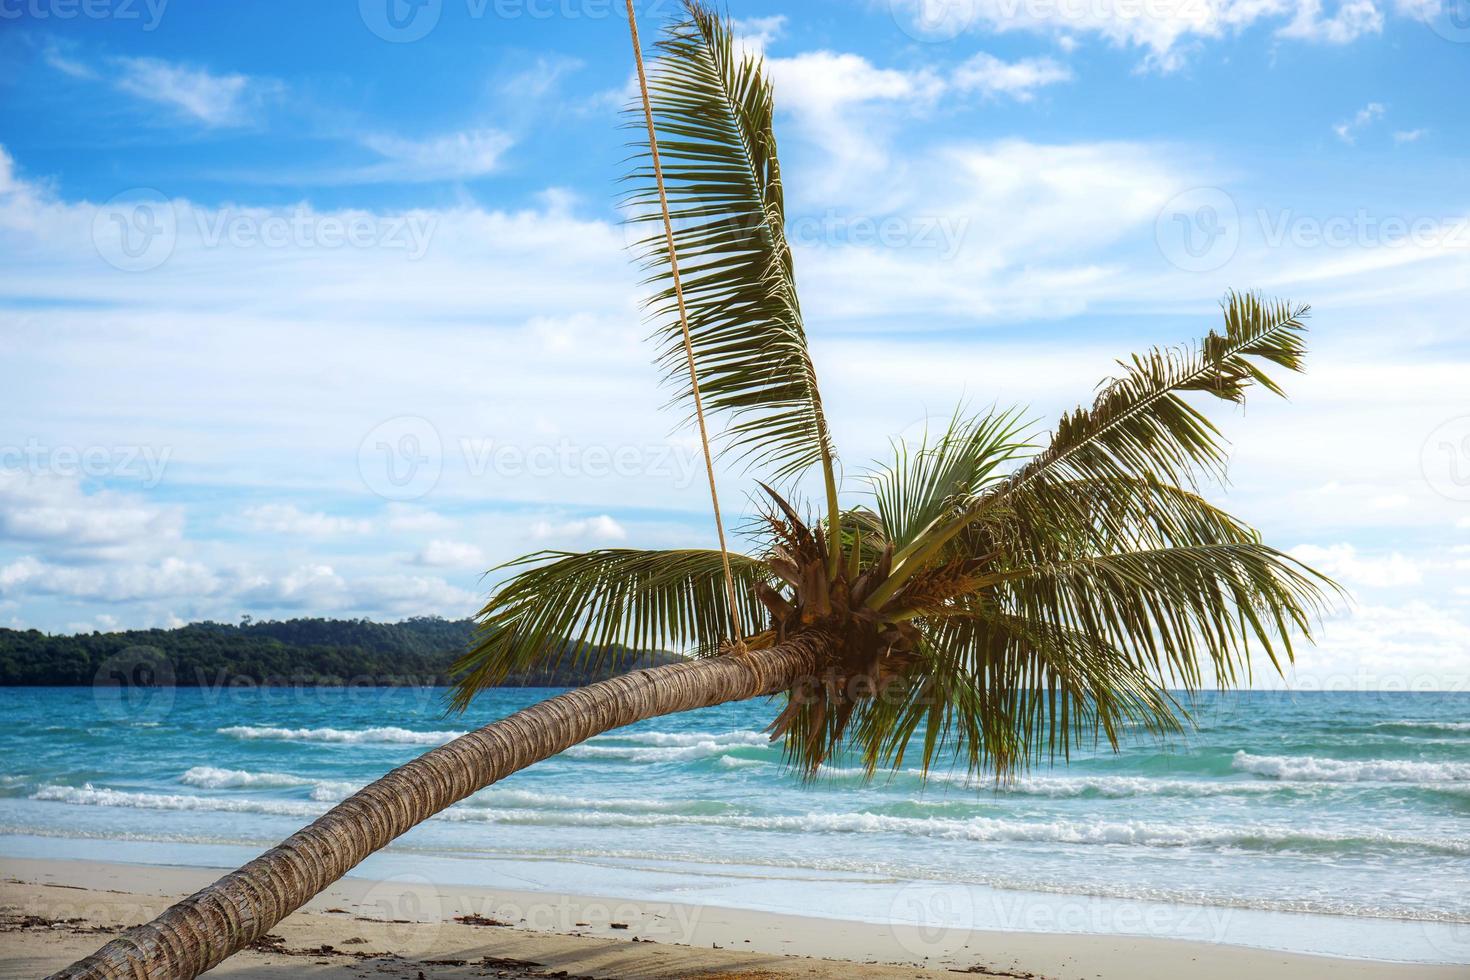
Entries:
{"x":56,"y":911}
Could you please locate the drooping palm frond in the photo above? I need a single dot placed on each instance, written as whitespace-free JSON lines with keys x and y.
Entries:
{"x":1175,"y":610}
{"x":996,"y":692}
{"x":712,"y":108}
{"x":564,"y":608}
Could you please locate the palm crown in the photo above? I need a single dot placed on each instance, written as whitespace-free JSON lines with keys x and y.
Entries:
{"x":1001,"y":595}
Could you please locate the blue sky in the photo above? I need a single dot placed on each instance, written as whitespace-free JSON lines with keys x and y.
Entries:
{"x":310,"y":310}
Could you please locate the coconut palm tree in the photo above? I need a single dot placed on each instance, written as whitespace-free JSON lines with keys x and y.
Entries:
{"x":998,"y":596}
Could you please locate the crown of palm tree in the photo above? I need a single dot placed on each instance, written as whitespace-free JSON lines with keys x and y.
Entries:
{"x":1002,"y":594}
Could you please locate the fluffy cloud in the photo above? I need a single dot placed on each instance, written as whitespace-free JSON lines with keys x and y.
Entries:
{"x":600,"y":528}
{"x":1164,"y":30}
{"x":989,"y":75}
{"x":1344,"y":563}
{"x":1353,"y":19}
{"x":289,"y":519}
{"x":55,"y":514}
{"x":1415,"y":646}
{"x":122,"y":582}
{"x":451,"y":554}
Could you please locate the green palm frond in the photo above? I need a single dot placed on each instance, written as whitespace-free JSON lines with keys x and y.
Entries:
{"x":564,"y":608}
{"x":997,"y":692}
{"x":1141,"y":425}
{"x":940,"y":476}
{"x":1176,"y":609}
{"x":712,"y":109}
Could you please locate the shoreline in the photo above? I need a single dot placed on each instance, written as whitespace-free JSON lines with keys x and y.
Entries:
{"x":407,"y":923}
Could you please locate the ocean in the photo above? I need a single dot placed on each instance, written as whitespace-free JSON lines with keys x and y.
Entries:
{"x":1318,"y":822}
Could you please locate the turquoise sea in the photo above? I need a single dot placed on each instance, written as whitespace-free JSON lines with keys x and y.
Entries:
{"x":1321,"y":822}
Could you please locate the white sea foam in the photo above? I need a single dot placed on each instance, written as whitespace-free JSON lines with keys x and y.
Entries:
{"x":1060,"y":787}
{"x":703,"y":748}
{"x":1294,"y":768}
{"x":1408,"y":725}
{"x":208,"y":777}
{"x":984,"y":829}
{"x":684,"y":739}
{"x":399,"y":736}
{"x":87,"y":795}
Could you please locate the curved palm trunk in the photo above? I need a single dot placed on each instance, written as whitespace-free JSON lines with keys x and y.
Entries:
{"x":199,"y":932}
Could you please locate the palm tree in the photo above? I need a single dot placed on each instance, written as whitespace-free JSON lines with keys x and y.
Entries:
{"x":1001,"y":598}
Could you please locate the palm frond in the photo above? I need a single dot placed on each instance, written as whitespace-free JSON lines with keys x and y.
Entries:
{"x":1176,"y":610}
{"x":712,"y":108}
{"x":942,"y":474}
{"x":566,"y":609}
{"x":1140,"y":423}
{"x":1140,"y":427}
{"x":998,"y":692}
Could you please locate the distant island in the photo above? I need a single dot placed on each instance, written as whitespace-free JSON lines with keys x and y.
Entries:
{"x":318,"y":652}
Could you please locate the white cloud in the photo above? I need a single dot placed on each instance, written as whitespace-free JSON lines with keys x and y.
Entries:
{"x":817,"y":83}
{"x":840,"y":101}
{"x":1409,"y":135}
{"x":989,"y":75}
{"x":1344,"y":563}
{"x":1353,"y":19}
{"x":66,"y":65}
{"x":1348,"y":131}
{"x":1414,"y":646}
{"x":415,"y":595}
{"x":599,"y":528}
{"x":1166,"y":31}
{"x":451,"y":554}
{"x":452,"y":156}
{"x":214,"y":100}
{"x":53,"y":512}
{"x":124,"y":582}
{"x":289,"y":519}
{"x":757,"y":32}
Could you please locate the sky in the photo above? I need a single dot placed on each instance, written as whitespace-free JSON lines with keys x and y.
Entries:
{"x":326,"y":309}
